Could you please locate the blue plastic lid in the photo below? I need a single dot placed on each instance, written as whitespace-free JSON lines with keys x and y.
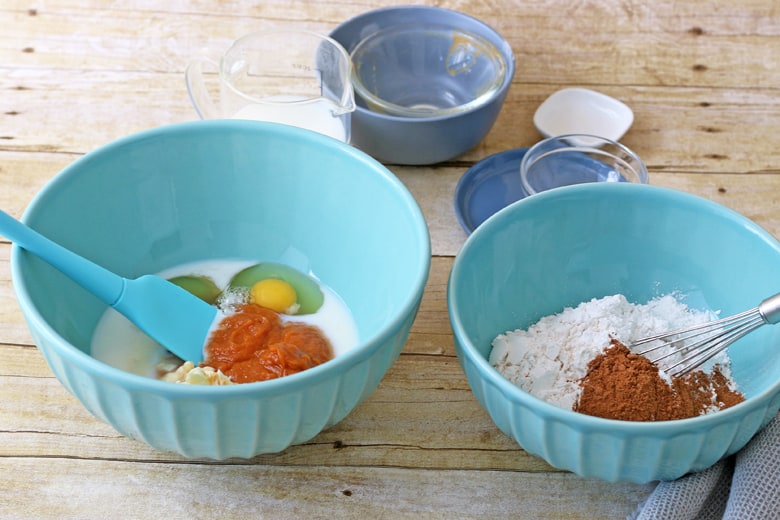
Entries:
{"x":489,"y":186}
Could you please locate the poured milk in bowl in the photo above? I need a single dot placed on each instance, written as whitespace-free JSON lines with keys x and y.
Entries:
{"x":119,"y":343}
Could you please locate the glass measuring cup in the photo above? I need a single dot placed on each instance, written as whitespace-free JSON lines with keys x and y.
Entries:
{"x":289,"y":76}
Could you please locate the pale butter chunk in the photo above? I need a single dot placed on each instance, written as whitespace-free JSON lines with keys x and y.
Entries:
{"x":189,"y":374}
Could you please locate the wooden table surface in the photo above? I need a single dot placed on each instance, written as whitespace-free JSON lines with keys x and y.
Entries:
{"x":702,"y":77}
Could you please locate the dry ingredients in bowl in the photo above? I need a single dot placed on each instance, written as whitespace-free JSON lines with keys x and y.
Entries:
{"x":575,"y":360}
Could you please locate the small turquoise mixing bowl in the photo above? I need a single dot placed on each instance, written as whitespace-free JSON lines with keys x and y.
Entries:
{"x":568,"y":245}
{"x":227,"y":190}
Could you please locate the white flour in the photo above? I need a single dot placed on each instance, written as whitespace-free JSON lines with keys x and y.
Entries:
{"x":550,"y":357}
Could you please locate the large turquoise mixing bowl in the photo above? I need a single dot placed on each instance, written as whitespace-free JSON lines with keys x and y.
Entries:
{"x":227,"y":189}
{"x":568,"y":245}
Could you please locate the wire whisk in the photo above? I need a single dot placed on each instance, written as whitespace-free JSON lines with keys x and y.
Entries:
{"x":708,"y":339}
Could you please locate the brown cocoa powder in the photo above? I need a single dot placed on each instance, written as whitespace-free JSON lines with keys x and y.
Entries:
{"x":626,"y":386}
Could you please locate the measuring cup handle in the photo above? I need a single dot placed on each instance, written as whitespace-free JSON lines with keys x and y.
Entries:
{"x":196,"y":88}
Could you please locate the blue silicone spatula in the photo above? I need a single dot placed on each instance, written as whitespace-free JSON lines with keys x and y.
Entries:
{"x":175,"y":318}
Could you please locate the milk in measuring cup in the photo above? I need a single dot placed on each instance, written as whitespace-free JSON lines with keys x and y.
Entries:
{"x":317,"y":115}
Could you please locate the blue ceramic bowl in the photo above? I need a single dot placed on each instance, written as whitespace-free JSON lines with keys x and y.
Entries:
{"x":430,"y":138}
{"x":227,"y":189}
{"x":568,"y":245}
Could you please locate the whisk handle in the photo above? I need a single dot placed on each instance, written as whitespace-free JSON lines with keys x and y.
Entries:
{"x":770,"y":309}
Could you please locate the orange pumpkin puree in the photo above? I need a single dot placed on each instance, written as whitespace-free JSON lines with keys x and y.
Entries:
{"x":255,"y":345}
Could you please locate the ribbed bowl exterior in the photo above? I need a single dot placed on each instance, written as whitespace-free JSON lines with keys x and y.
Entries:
{"x":608,"y":451}
{"x":220,"y":427}
{"x":209,"y":189}
{"x":560,"y":248}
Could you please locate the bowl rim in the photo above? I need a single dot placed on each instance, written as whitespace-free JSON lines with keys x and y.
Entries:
{"x":288,"y":384}
{"x":517,"y":396}
{"x":485,"y":48}
{"x":413,"y":11}
{"x":578,"y":143}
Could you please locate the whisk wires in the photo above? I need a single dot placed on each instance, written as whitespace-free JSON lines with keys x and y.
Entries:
{"x":700,"y":343}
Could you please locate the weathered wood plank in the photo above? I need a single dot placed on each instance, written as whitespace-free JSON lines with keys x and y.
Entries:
{"x":560,"y":42}
{"x":676,"y":129}
{"x":107,"y":488}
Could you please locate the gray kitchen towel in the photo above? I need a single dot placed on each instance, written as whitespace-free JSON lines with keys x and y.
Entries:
{"x":743,"y":486}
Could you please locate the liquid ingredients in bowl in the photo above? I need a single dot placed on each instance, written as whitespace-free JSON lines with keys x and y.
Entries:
{"x":575,"y":360}
{"x":275,"y":322}
{"x":254,"y":344}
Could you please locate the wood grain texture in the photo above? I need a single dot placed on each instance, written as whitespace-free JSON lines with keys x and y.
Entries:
{"x":703,"y":79}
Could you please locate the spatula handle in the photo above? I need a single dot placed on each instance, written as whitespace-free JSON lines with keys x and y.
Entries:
{"x":99,"y":281}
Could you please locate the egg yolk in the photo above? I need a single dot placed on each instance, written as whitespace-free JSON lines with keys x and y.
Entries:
{"x":274,"y":294}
